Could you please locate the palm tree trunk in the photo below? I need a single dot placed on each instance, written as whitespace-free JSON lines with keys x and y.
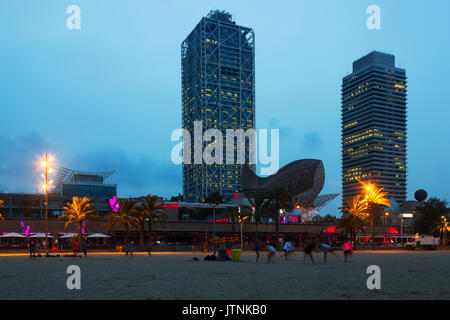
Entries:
{"x":150,"y":231}
{"x":373,"y":232}
{"x":126,"y":234}
{"x":80,"y":228}
{"x":141,"y":233}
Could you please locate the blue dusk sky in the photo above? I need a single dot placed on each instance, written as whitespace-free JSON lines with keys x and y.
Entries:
{"x":108,"y":96}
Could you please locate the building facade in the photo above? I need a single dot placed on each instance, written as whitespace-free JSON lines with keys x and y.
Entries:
{"x":218,"y":89}
{"x":70,"y":183}
{"x":374,"y":126}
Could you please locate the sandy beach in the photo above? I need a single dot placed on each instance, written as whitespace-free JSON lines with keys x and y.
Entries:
{"x":404,"y":275}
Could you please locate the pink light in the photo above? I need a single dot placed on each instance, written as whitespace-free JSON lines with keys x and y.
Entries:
{"x":113,"y":204}
{"x":22,"y":225}
{"x":170,"y":205}
{"x":392,"y":230}
{"x":331,"y":229}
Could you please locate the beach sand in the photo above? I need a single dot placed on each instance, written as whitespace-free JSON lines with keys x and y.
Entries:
{"x":404,"y":275}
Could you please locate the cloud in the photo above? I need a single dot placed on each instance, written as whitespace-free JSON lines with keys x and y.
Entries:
{"x":134,"y":174}
{"x":285,"y":131}
{"x":312,"y":141}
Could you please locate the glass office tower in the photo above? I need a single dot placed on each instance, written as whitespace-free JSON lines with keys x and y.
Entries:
{"x":374,"y":126}
{"x":218,"y":88}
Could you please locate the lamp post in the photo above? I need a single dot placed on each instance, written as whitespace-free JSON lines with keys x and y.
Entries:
{"x":45,"y":187}
{"x":368,"y":198}
{"x":241,"y":222}
{"x":445,"y":225}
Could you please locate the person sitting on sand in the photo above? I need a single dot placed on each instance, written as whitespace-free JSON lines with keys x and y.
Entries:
{"x":271,"y":252}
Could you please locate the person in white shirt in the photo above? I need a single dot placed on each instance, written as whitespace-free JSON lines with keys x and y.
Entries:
{"x":288,"y":247}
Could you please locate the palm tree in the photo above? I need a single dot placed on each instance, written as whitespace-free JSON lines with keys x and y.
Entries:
{"x":259,"y":203}
{"x":125,"y":217}
{"x":78,"y":211}
{"x":1,"y":205}
{"x":279,"y":199}
{"x":356,"y":206}
{"x":352,"y":224}
{"x":233,"y":214}
{"x":442,"y":227}
{"x":152,"y":212}
{"x":374,"y":196}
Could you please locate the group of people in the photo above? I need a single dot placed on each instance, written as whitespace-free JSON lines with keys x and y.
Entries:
{"x":76,"y":247}
{"x":129,"y":248}
{"x":310,"y":246}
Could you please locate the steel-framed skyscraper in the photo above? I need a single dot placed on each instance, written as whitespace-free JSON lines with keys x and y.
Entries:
{"x":218,"y":88}
{"x":374,"y":126}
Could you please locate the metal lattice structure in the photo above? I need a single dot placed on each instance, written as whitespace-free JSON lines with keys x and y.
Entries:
{"x":218,"y":75}
{"x":66,"y":175}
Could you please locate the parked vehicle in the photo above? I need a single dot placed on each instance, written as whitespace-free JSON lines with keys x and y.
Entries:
{"x":423,"y":242}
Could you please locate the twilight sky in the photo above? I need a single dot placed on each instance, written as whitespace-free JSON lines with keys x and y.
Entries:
{"x":108,"y":96}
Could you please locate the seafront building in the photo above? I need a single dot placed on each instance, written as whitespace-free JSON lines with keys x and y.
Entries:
{"x":374,"y":126}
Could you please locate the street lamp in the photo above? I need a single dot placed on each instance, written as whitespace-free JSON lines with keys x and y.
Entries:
{"x":445,"y":228}
{"x":368,"y":199}
{"x":45,"y":186}
{"x":241,"y":222}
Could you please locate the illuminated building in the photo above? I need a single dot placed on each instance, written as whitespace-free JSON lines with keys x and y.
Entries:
{"x":218,"y":65}
{"x":70,"y":183}
{"x":374,"y":126}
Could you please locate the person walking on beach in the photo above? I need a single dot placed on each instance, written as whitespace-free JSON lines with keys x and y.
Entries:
{"x":325,"y":247}
{"x":131,"y":248}
{"x":76,"y":248}
{"x":149,"y":248}
{"x":256,"y":248}
{"x":308,"y":249}
{"x":32,"y":247}
{"x":271,"y":252}
{"x":85,"y":247}
{"x":347,"y":246}
{"x":126,"y":247}
{"x":287,"y":248}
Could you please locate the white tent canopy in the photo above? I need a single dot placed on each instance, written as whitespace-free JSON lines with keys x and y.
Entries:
{"x":12,"y":235}
{"x":40,"y":235}
{"x":98,"y":235}
{"x":69,"y":235}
